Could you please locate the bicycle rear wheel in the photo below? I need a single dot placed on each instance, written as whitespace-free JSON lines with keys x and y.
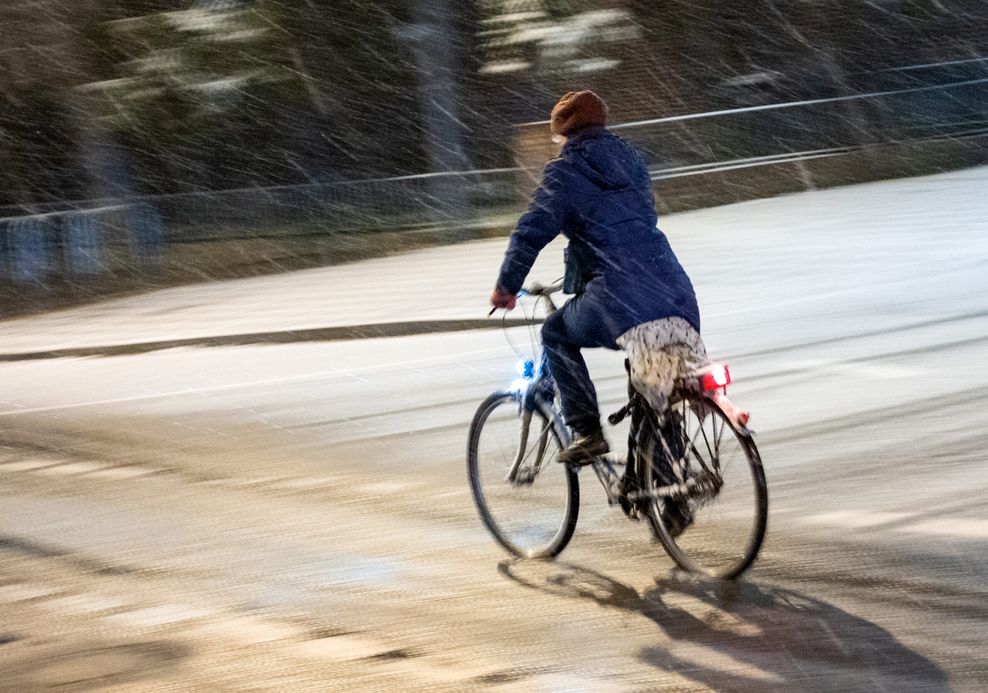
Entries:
{"x":710,"y":515}
{"x":527,"y":500}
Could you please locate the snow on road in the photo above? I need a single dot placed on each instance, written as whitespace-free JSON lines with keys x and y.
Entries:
{"x":298,"y":514}
{"x":856,"y":248}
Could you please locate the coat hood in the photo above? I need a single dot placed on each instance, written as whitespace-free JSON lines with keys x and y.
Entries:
{"x":605,"y":159}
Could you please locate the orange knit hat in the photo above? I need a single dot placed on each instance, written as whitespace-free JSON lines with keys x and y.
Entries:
{"x":577,"y":110}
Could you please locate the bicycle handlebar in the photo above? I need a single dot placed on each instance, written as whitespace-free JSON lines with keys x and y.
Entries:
{"x":541,"y":290}
{"x":537,"y":291}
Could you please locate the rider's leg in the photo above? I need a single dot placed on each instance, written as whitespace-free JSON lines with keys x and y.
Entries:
{"x":577,"y":325}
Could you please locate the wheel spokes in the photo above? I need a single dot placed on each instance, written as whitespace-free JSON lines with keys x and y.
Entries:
{"x":717,"y":515}
{"x":527,"y":518}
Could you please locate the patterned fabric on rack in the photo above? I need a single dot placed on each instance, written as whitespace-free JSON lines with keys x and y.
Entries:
{"x":659,"y":353}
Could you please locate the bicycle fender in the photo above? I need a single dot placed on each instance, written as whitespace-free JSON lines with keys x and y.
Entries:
{"x":737,"y":417}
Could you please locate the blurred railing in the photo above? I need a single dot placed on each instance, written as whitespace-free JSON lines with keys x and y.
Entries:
{"x":770,"y":134}
{"x":321,"y":208}
{"x":698,"y":159}
{"x":904,"y":121}
{"x":78,"y":244}
{"x":121,"y":236}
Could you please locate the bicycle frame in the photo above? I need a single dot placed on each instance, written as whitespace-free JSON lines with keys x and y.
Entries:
{"x":674,"y":468}
{"x":639,"y":411}
{"x":605,"y":470}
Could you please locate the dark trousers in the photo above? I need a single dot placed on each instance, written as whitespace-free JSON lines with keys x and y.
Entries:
{"x":583,"y":322}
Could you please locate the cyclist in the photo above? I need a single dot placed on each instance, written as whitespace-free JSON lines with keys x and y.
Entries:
{"x":637,"y":296}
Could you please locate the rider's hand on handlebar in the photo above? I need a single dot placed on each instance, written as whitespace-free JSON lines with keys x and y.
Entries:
{"x":502,"y":299}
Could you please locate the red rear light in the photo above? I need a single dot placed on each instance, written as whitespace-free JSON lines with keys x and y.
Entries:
{"x":716,"y":377}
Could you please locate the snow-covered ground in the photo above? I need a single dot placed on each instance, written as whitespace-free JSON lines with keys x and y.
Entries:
{"x":297,"y":515}
{"x":754,"y":264}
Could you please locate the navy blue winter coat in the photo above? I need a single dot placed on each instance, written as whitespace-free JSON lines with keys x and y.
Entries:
{"x":599,"y":195}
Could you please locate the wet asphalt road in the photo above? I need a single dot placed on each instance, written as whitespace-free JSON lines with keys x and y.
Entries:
{"x":296,"y":516}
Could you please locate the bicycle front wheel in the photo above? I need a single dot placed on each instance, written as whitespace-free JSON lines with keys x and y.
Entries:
{"x":706,"y":490}
{"x":527,"y":500}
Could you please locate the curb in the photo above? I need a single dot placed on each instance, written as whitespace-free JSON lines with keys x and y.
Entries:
{"x":318,"y":334}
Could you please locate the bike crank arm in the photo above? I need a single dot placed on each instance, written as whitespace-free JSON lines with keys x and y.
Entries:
{"x":609,"y":479}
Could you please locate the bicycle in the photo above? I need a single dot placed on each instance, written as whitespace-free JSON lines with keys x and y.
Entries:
{"x":709,"y":514}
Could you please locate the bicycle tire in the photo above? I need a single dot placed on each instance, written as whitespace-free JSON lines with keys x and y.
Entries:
{"x":560,"y":434}
{"x":648,"y":479}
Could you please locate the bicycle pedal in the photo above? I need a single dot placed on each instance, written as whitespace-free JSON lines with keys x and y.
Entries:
{"x":631,"y":512}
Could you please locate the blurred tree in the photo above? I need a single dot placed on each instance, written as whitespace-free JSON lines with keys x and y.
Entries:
{"x":207,"y":94}
{"x":39,"y":114}
{"x":437,"y":50}
{"x":215,"y":79}
{"x":370,"y":125}
{"x":261,"y":92}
